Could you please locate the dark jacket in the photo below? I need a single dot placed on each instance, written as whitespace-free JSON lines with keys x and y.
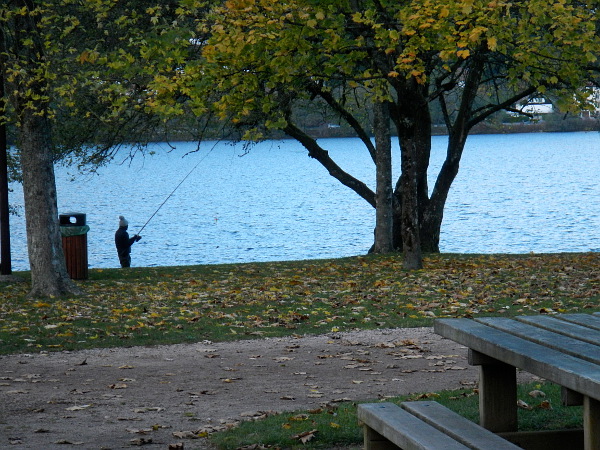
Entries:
{"x":123,"y":242}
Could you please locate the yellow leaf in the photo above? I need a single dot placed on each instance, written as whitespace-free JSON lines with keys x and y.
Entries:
{"x":492,"y":43}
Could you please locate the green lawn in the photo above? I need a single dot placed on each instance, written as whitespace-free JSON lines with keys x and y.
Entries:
{"x":147,"y":306}
{"x":338,"y":427}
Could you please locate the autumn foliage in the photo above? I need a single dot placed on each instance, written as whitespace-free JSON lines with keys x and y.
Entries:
{"x":225,"y":302}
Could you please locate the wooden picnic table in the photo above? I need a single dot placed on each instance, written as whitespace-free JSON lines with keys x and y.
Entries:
{"x":563,"y":348}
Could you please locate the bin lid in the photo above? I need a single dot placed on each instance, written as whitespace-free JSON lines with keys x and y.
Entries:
{"x":71,"y":219}
{"x":73,"y":230}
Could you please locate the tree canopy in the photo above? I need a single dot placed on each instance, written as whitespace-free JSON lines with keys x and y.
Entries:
{"x":67,"y":67}
{"x":469,"y":58}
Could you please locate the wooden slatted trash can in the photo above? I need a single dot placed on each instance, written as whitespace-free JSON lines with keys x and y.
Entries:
{"x":73,"y":230}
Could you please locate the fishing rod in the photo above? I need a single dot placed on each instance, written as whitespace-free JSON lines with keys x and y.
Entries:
{"x":176,"y":187}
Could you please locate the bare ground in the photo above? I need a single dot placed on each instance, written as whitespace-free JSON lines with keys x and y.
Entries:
{"x":166,"y":395}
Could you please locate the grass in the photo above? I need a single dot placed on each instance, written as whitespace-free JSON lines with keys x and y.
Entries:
{"x":338,"y":427}
{"x":151,"y":306}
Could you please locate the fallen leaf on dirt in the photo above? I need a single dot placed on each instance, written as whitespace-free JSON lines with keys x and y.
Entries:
{"x":139,"y":430}
{"x":254,"y":414}
{"x":305,"y":437}
{"x":118,"y":386}
{"x":229,"y":380}
{"x":197,"y":394}
{"x":287,"y":397}
{"x":185,"y":435}
{"x":148,"y":409}
{"x":78,"y":408}
{"x":141,"y":441}
{"x":66,"y":442}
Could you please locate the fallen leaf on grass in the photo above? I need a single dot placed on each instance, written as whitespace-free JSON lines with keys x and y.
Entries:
{"x":305,"y":437}
{"x":300,"y":417}
{"x":523,"y":405}
{"x":545,"y":405}
{"x":537,"y":393}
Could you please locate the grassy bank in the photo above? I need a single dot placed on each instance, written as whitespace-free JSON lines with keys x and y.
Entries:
{"x":337,"y":427}
{"x":148,"y":306}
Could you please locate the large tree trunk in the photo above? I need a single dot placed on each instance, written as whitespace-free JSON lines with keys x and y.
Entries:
{"x":49,"y":275}
{"x":384,"y":214}
{"x":410,"y":108}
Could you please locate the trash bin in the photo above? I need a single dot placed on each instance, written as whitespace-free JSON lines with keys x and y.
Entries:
{"x":73,"y":230}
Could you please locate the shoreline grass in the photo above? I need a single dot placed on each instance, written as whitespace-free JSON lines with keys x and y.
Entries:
{"x":167,"y":305}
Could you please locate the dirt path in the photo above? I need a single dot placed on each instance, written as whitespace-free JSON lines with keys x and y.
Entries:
{"x":119,"y":398}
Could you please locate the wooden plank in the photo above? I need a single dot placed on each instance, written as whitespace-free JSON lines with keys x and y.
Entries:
{"x":565,"y":370}
{"x":569,"y":397}
{"x":403,"y":429}
{"x":586,"y":320}
{"x":455,"y":425}
{"x":591,"y":424}
{"x":372,"y":440}
{"x":559,"y":326}
{"x":546,"y":440}
{"x":498,"y":397}
{"x":564,"y":344}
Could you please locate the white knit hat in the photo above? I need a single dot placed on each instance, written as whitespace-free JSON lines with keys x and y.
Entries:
{"x":123,"y":222}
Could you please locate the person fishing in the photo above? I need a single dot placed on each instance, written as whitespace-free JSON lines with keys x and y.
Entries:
{"x":123,"y":242}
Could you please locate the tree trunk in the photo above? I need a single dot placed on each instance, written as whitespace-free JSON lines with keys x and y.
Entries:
{"x":410,"y":109}
{"x":5,"y":256}
{"x":49,"y":275}
{"x":384,"y":214}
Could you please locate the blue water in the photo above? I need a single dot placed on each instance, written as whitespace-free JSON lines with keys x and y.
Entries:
{"x":513,"y":194}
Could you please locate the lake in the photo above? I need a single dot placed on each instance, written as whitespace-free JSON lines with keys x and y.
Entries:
{"x":516,"y":193}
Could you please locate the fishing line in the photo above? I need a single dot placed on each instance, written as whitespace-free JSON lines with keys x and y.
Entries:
{"x":177,"y":187}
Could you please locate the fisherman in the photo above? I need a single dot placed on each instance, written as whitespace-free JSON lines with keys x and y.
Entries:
{"x":123,"y":242}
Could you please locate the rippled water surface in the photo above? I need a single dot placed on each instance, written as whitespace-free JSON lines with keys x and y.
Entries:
{"x":513,"y":194}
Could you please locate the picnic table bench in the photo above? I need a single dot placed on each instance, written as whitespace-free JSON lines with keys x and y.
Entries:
{"x":423,"y":425}
{"x":564,"y":349}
